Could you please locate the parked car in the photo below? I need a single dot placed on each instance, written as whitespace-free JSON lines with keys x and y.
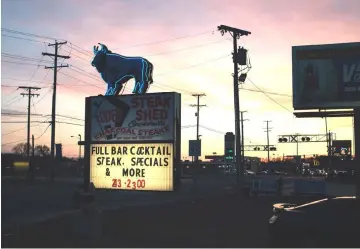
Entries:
{"x":329,"y":222}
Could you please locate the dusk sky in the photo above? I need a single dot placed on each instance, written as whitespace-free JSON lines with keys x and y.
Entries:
{"x":180,"y":38}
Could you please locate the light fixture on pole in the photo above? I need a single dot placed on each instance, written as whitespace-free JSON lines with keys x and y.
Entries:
{"x":79,"y":146}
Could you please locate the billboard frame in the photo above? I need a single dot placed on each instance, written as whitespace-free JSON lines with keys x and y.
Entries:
{"x":295,"y":84}
{"x":176,"y":141}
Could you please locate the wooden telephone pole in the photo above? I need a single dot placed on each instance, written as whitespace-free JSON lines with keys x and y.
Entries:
{"x":29,"y":94}
{"x":236,"y":34}
{"x":53,"y":113}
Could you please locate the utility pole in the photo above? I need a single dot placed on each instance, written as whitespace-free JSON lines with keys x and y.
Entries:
{"x":33,"y":145}
{"x":236,"y":34}
{"x":197,"y":114}
{"x":268,"y":140}
{"x":53,"y":112}
{"x":29,"y":94}
{"x":242,"y":137}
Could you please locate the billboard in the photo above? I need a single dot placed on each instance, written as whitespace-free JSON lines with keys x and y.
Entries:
{"x":341,"y":147}
{"x":326,"y":76}
{"x":145,"y":117}
{"x":132,"y":166}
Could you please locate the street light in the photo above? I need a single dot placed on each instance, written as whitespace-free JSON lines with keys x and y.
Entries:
{"x":79,"y":146}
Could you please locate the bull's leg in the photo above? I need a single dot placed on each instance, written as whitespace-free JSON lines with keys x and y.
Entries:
{"x":118,"y":87}
{"x":144,"y":87}
{"x":136,"y":87}
{"x":109,"y":90}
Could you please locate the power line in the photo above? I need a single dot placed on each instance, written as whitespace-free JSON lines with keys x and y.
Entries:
{"x":42,"y":122}
{"x":23,"y":63}
{"x":269,"y":96}
{"x":10,"y":86}
{"x":271,"y":93}
{"x":23,"y":140}
{"x":44,"y":95}
{"x":23,"y":128}
{"x":195,"y":65}
{"x":15,"y":99}
{"x":157,"y":42}
{"x":169,"y":51}
{"x":40,"y":115}
{"x":30,"y":34}
{"x":21,"y":38}
{"x":185,"y":49}
{"x":38,"y":81}
{"x":19,"y":57}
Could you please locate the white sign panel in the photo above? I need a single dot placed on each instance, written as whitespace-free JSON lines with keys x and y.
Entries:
{"x":132,"y":166}
{"x":133,"y":117}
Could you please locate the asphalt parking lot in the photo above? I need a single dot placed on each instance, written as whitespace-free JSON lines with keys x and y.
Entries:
{"x":223,"y":221}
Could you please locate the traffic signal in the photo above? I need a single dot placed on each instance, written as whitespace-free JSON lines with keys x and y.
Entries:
{"x":283,"y":140}
{"x":272,"y":148}
{"x":229,"y":154}
{"x":229,"y":146}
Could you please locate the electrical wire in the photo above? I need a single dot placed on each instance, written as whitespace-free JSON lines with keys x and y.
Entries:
{"x":14,"y":79}
{"x":22,"y":63}
{"x":29,"y":34}
{"x":15,"y":99}
{"x":40,"y":115}
{"x":21,"y":38}
{"x":270,"y":97}
{"x":12,"y":132}
{"x":152,"y":43}
{"x":22,"y":58}
{"x":271,"y":93}
{"x":43,"y":132}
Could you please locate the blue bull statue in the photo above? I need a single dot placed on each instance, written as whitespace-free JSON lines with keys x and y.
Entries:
{"x":116,"y":70}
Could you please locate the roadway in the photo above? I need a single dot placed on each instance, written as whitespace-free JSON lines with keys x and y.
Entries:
{"x":22,"y":203}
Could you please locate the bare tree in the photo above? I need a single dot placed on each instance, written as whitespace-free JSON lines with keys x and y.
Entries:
{"x":21,"y":149}
{"x":42,"y":150}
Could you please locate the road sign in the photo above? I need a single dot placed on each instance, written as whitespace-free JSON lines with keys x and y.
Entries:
{"x":194,"y":147}
{"x":316,"y":163}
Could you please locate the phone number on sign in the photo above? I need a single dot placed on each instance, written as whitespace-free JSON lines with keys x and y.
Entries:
{"x":128,"y":184}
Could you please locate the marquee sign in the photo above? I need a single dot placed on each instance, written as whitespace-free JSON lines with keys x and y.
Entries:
{"x":134,"y":117}
{"x":132,"y":142}
{"x":132,"y":166}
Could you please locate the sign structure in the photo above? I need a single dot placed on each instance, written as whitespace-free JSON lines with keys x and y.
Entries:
{"x":341,"y":147}
{"x":132,"y":166}
{"x":134,"y":117}
{"x":194,"y":147}
{"x":326,"y":76}
{"x":132,"y":142}
{"x":116,"y":70}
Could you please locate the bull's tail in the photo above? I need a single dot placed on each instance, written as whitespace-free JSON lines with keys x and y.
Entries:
{"x":150,"y":73}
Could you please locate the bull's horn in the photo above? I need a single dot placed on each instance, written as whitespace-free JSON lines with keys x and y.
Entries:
{"x":103,"y":47}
